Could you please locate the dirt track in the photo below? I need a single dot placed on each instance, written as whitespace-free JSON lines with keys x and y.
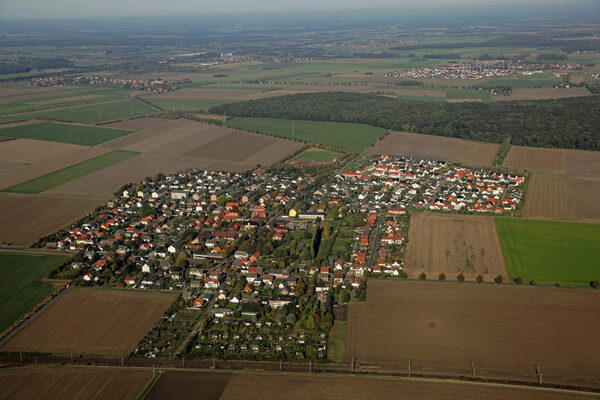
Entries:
{"x":92,"y":321}
{"x":504,"y":329}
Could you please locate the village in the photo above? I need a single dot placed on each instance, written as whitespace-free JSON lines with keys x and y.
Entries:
{"x":265,"y":261}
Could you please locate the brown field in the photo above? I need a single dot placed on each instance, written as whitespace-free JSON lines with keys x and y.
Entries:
{"x":8,"y":167}
{"x":137,"y":124}
{"x":437,"y":148}
{"x":454,"y":244}
{"x":562,"y":197}
{"x":68,"y":99}
{"x":9,"y":95}
{"x":92,"y":321}
{"x":505,"y":329}
{"x":543,"y":93}
{"x":173,"y":385}
{"x":129,"y":140}
{"x":583,"y":163}
{"x":33,"y":171}
{"x":198,"y":136}
{"x":272,"y":153}
{"x":72,"y":383}
{"x":536,"y":159}
{"x":31,"y":151}
{"x":209,"y":93}
{"x":26,"y":218}
{"x":236,"y":146}
{"x":301,"y":387}
{"x":166,"y":137}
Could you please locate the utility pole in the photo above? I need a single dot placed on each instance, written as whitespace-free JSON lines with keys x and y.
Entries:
{"x":353,"y":362}
{"x":538,"y":372}
{"x":472,"y":369}
{"x":409,"y":367}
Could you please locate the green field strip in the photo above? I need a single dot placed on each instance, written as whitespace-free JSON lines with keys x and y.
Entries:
{"x":21,"y":287}
{"x":74,"y":134}
{"x":317,"y":156}
{"x":550,"y":252}
{"x":350,"y":136}
{"x":70,"y":173}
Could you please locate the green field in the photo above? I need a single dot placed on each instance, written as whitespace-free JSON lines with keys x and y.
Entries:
{"x":424,"y":98}
{"x":54,"y":132}
{"x":182,"y":105}
{"x":64,"y":175}
{"x":550,"y":251}
{"x":336,"y":345}
{"x":354,"y":137}
{"x":317,"y":156}
{"x":96,"y":112}
{"x":21,"y":287}
{"x":468,"y":94}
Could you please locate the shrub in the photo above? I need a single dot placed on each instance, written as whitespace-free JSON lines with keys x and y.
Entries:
{"x":532,"y":282}
{"x":404,"y":275}
{"x":423,"y":276}
{"x":460,"y":277}
{"x":442,"y":277}
{"x":557,"y":284}
{"x":594,"y":284}
{"x":498,"y":279}
{"x":479,"y":278}
{"x":518,"y":280}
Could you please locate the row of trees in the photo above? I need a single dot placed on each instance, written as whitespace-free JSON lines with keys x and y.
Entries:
{"x":566,"y":123}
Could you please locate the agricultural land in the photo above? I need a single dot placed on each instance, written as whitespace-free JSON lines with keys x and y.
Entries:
{"x":64,"y":133}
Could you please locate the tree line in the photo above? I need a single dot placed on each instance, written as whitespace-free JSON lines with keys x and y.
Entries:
{"x":566,"y":123}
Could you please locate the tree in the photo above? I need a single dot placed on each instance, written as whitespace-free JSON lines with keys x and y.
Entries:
{"x":423,"y":276}
{"x":498,"y":279}
{"x":594,"y":284}
{"x":460,"y":277}
{"x":532,"y":282}
{"x":479,"y":278}
{"x":442,"y":277}
{"x":518,"y":280}
{"x":404,"y":275}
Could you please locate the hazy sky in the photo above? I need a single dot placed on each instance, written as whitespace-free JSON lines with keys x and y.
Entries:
{"x":114,"y":8}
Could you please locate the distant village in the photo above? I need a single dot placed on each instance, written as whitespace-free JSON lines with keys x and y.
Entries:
{"x":266,"y":258}
{"x":156,"y":85}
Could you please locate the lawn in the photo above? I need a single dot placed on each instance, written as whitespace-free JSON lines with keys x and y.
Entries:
{"x":21,"y":287}
{"x":318,"y":156}
{"x":336,"y":346}
{"x":75,"y":134}
{"x":97,"y":112}
{"x":350,"y":136}
{"x":550,"y":251}
{"x":71,"y":172}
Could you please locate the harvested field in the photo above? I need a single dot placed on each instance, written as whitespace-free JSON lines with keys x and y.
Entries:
{"x":92,"y":321}
{"x":105,"y":182}
{"x":236,"y":146}
{"x":166,"y":138}
{"x":297,"y":387}
{"x":536,"y":159}
{"x":68,"y":99}
{"x":543,"y":94}
{"x":562,"y":197}
{"x":583,"y":163}
{"x":436,"y":148}
{"x":209,"y":93}
{"x":505,"y":329}
{"x":31,"y":151}
{"x":453,"y":244}
{"x":229,"y":167}
{"x":8,"y":167}
{"x":148,"y":133}
{"x":173,"y":384}
{"x":272,"y":153}
{"x":43,"y":168}
{"x":72,"y":383}
{"x":26,"y":218}
{"x":137,"y":124}
{"x":199,"y":135}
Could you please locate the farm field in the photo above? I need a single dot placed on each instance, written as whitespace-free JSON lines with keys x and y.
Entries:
{"x":550,"y":251}
{"x":92,"y":321}
{"x":31,"y":151}
{"x":354,"y":137}
{"x":437,"y":148}
{"x":543,"y":93}
{"x":56,"y":178}
{"x":65,"y":133}
{"x":446,"y":326}
{"x":576,"y":162}
{"x":178,"y":384}
{"x":26,"y":218}
{"x":336,"y":344}
{"x":320,"y":387}
{"x":21,"y":285}
{"x":72,"y":383}
{"x":137,"y":124}
{"x":453,"y":244}
{"x":314,"y":155}
{"x":562,"y":197}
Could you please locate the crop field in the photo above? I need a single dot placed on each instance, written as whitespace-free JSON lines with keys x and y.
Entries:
{"x":97,"y":112}
{"x":57,"y":178}
{"x":92,"y":321}
{"x":179,"y":384}
{"x":183,"y":105}
{"x":65,"y":133}
{"x":72,"y":383}
{"x":320,"y":387}
{"x":354,"y":137}
{"x":26,"y":218}
{"x":31,"y":151}
{"x":314,"y":155}
{"x":453,"y":244}
{"x":21,"y":285}
{"x":576,"y":162}
{"x":543,"y":94}
{"x":448,"y":326}
{"x":550,"y":251}
{"x":137,"y":124}
{"x":468,"y":94}
{"x":562,"y":197}
{"x":437,"y":148}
